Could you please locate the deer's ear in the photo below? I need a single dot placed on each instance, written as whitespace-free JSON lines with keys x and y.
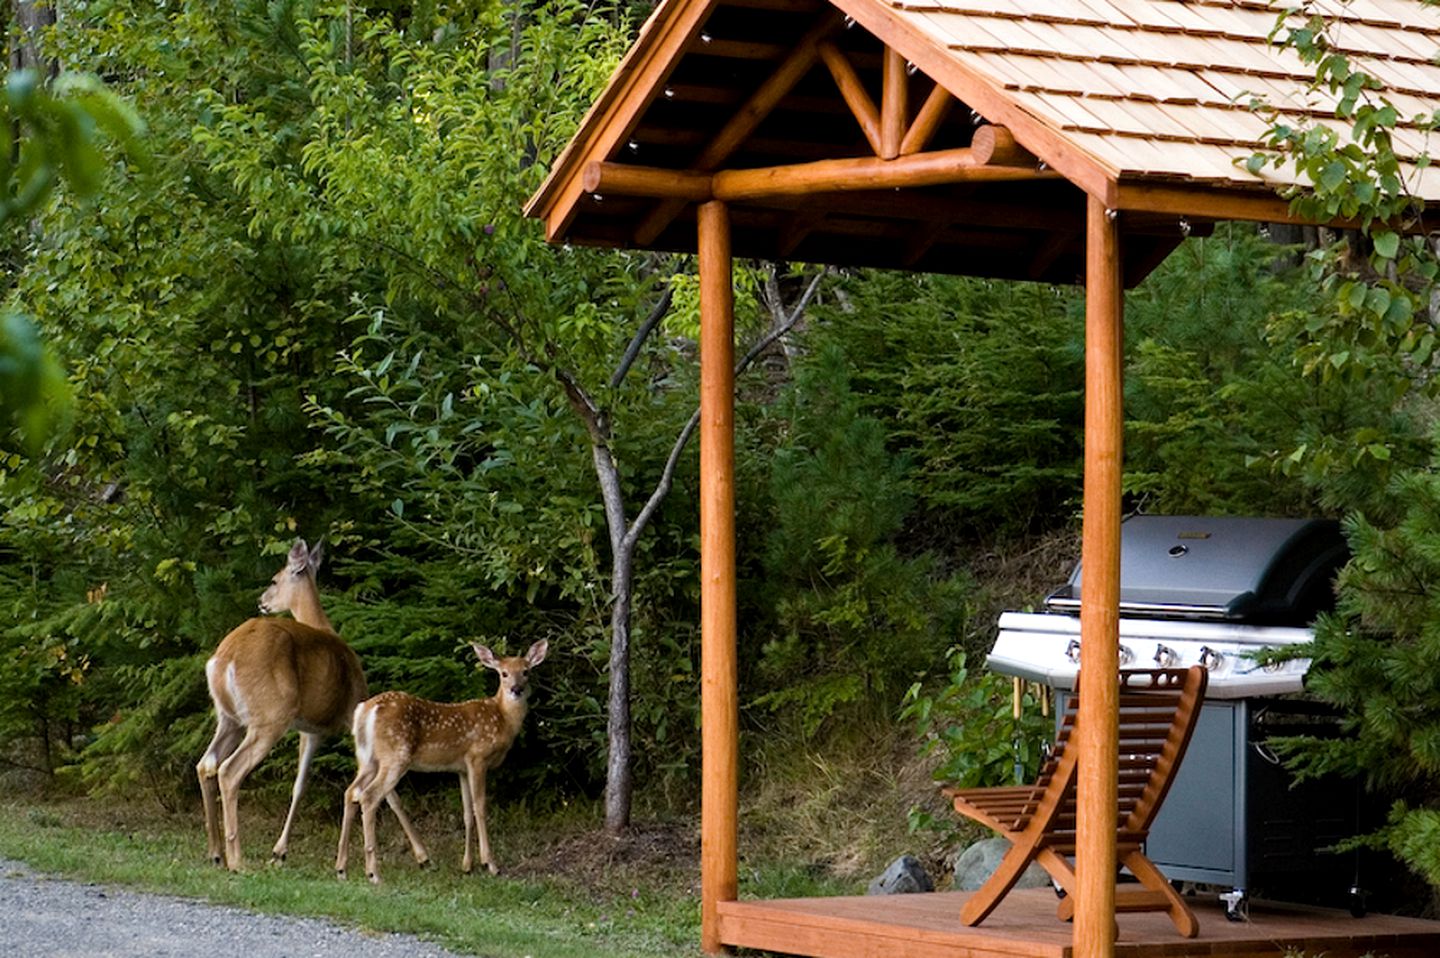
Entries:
{"x":299,"y":556}
{"x":486,"y":657}
{"x":536,"y":655}
{"x":317,"y":555}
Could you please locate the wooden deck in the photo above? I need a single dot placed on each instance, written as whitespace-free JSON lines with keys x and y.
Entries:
{"x":928,"y":926}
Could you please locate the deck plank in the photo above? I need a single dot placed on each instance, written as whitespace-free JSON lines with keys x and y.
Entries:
{"x":1025,"y":926}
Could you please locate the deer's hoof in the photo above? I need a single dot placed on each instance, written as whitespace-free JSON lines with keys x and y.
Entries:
{"x":425,"y":864}
{"x":340,"y":874}
{"x":490,"y":867}
{"x":374,"y":878}
{"x":277,"y":859}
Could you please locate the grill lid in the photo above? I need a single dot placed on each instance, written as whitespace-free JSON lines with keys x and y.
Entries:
{"x":1237,"y":569}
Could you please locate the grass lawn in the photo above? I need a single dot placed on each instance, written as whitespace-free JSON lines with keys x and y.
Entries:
{"x":824,"y":825}
{"x":623,"y":908}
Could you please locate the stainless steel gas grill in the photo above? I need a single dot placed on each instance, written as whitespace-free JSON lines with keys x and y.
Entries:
{"x":1214,"y":592}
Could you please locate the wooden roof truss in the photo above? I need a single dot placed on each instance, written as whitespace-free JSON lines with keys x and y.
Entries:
{"x":829,"y":146}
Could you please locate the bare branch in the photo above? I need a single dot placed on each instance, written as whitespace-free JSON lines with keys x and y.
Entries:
{"x":667,"y":475}
{"x":642,"y":334}
{"x":662,"y":488}
{"x":764,"y":342}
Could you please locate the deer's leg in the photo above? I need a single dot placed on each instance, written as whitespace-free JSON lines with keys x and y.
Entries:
{"x":350,"y":803}
{"x":477,"y":799}
{"x":383,"y":784}
{"x":258,"y":741}
{"x":467,"y":809}
{"x":228,"y":733}
{"x":417,"y":847}
{"x":309,"y":742}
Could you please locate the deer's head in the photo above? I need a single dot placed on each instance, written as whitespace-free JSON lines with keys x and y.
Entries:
{"x":298,"y":573}
{"x":515,"y":670}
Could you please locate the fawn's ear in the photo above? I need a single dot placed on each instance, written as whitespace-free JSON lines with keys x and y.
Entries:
{"x":299,"y":557}
{"x":486,"y":657}
{"x":317,"y":555}
{"x":536,"y":655}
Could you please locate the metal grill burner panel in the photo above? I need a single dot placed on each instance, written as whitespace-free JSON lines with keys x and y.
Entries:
{"x":1046,"y":648}
{"x":1194,"y":590}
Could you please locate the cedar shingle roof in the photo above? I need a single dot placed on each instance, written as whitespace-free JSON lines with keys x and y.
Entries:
{"x":1144,"y":104}
{"x":1164,"y":88}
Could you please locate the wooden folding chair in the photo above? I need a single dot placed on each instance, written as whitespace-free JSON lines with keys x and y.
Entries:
{"x":1158,"y":712}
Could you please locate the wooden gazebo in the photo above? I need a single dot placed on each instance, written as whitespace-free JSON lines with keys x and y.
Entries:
{"x":1048,"y":140}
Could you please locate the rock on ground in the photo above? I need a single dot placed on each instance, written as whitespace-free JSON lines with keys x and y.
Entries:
{"x":905,"y":875}
{"x":977,"y":862}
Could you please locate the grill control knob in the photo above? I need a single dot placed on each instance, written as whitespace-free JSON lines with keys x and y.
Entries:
{"x":1210,"y":659}
{"x":1126,"y":655}
{"x":1072,"y":651}
{"x":1165,"y":657}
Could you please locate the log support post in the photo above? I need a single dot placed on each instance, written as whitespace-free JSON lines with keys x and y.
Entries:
{"x":719,"y":695}
{"x":1098,"y":723}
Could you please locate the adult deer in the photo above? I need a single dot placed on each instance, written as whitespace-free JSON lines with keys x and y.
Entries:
{"x":267,"y":676}
{"x":395,"y":732}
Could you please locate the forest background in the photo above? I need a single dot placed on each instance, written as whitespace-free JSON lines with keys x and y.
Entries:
{"x":316,"y":311}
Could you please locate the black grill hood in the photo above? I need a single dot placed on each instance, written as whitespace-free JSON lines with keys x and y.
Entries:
{"x":1235,"y":569}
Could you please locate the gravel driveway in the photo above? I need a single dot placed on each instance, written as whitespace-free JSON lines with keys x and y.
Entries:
{"x":43,"y":917}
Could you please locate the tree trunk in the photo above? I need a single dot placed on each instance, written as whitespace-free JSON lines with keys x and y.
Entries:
{"x":29,"y":21}
{"x":619,"y":781}
{"x":619,"y":777}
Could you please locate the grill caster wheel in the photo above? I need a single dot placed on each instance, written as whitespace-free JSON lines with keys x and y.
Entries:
{"x":1357,"y":903}
{"x":1237,"y":905}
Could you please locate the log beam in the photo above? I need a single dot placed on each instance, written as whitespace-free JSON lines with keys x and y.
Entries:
{"x":624,"y":179}
{"x":894,"y":105}
{"x":962,"y":165}
{"x":1097,"y":729}
{"x":995,"y":146}
{"x":932,"y":113}
{"x":853,"y":92}
{"x":719,"y":695}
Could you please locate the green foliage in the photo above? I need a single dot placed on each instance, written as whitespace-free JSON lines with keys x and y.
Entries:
{"x":1221,"y":417}
{"x":855,"y":618}
{"x":979,"y":383}
{"x":1377,"y":329}
{"x":970,"y":722}
{"x":33,"y":391}
{"x":55,"y":131}
{"x":48,"y":132}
